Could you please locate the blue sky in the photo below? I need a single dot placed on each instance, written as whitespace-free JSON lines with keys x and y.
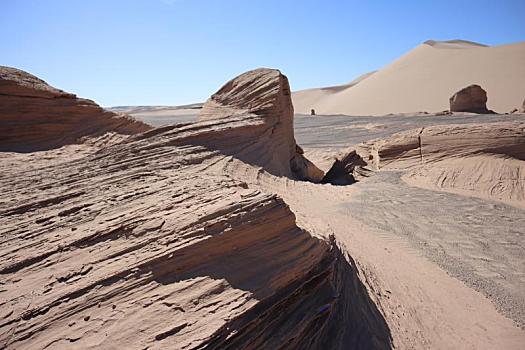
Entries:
{"x":169,"y":52}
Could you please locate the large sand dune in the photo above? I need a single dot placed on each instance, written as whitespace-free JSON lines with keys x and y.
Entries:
{"x":425,"y":78}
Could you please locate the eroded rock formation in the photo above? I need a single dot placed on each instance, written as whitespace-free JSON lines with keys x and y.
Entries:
{"x":159,"y":242}
{"x":469,"y":99}
{"x":483,"y":160}
{"x":35,"y":116}
{"x":261,"y":99}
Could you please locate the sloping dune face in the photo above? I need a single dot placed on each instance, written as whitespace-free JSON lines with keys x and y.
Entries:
{"x":35,"y":116}
{"x":306,"y":100}
{"x":150,"y":243}
{"x":426,"y":77}
{"x":480,"y":160}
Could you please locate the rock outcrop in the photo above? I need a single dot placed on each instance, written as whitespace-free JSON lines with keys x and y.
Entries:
{"x":35,"y":116}
{"x":261,"y":99}
{"x":482,"y":160}
{"x":160,"y":241}
{"x":470,"y":99}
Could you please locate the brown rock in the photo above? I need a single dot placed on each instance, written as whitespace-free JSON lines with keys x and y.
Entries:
{"x":35,"y":116}
{"x":175,"y":246}
{"x":470,"y":99}
{"x":261,"y":100}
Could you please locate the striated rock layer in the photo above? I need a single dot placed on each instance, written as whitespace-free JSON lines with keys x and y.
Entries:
{"x":482,"y":160}
{"x":151,"y":243}
{"x":35,"y":116}
{"x":262,"y":98}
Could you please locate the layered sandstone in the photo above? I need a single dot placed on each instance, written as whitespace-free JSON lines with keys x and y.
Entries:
{"x":161,"y":242}
{"x":35,"y":116}
{"x":482,"y":160}
{"x":262,"y":99}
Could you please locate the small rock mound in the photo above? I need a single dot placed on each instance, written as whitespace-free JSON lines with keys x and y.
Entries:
{"x":470,"y":99}
{"x":35,"y":116}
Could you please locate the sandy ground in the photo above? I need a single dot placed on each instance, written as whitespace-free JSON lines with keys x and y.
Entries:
{"x":162,"y":115}
{"x":449,"y":265}
{"x":426,"y":305}
{"x":479,"y":241}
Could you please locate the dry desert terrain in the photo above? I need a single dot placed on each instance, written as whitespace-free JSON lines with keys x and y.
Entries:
{"x":240,"y":223}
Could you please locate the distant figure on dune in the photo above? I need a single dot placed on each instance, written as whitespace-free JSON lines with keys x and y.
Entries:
{"x":470,"y":99}
{"x":312,"y":112}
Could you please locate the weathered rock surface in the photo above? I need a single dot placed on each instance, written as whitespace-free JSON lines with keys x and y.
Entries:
{"x":262,"y":98}
{"x":159,"y":242}
{"x":35,"y":116}
{"x":482,"y":160}
{"x":469,"y":99}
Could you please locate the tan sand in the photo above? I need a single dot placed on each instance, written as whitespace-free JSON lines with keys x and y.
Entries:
{"x":425,"y":78}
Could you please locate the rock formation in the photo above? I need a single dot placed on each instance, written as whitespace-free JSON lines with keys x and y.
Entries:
{"x":470,"y":99}
{"x":261,"y":99}
{"x":482,"y":160}
{"x":162,"y":242}
{"x":35,"y":116}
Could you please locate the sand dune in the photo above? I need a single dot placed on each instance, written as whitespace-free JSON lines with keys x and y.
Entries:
{"x":425,"y":78}
{"x":306,"y":100}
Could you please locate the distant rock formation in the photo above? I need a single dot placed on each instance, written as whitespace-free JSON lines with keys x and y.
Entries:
{"x":261,"y":99}
{"x":166,"y":241}
{"x":312,"y":111}
{"x":522,"y":109}
{"x":479,"y":159}
{"x":35,"y":116}
{"x":470,"y":99}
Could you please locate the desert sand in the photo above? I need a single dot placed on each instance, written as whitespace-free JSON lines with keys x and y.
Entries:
{"x":161,"y":115}
{"x":424,"y":79}
{"x":226,"y":232}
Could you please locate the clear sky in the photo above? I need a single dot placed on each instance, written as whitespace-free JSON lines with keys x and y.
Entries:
{"x":170,"y":52}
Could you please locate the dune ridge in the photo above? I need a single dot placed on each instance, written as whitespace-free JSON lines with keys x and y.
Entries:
{"x":425,"y":78}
